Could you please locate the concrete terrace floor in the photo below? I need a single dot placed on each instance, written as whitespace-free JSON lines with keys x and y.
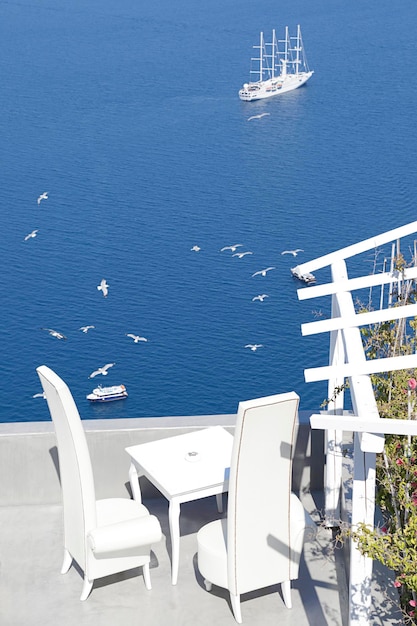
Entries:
{"x":34,"y":593}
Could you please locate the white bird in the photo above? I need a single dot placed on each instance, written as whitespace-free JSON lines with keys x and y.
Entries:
{"x":254,"y":346}
{"x":43,"y":196}
{"x":136,"y":338}
{"x":293,"y":252}
{"x":232,"y":248}
{"x":196,"y":248}
{"x":261,"y":297}
{"x":85,"y":329}
{"x":54,"y":333}
{"x":241,"y":254}
{"x":102,"y":370}
{"x":32,"y":234}
{"x":257,"y":117}
{"x":263,"y":272}
{"x":39,"y":395}
{"x":104,"y":287}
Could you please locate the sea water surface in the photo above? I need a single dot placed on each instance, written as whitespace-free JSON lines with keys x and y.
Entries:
{"x":127,"y":114}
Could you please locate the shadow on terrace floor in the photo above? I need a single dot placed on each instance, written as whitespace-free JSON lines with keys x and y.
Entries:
{"x":34,"y":593}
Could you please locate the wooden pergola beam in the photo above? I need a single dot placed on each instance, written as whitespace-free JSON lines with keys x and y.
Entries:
{"x":358,"y":424}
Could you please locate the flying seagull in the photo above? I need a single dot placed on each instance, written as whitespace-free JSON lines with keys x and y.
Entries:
{"x":32,"y":234}
{"x":102,"y":370}
{"x":254,"y":346}
{"x":232,"y":248}
{"x":263,"y":272}
{"x":257,"y":117}
{"x":261,"y":297}
{"x":241,"y":254}
{"x":54,"y":333}
{"x":104,"y":287}
{"x":43,"y":196}
{"x":85,"y":329}
{"x":293,"y":252}
{"x":136,"y":338}
{"x":196,"y":248}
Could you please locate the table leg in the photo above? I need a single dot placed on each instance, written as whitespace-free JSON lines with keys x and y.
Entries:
{"x":134,"y":483}
{"x":174,"y":527}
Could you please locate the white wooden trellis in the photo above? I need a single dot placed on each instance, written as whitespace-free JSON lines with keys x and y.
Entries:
{"x":347,"y":360}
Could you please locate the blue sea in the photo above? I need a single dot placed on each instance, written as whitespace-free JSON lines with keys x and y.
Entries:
{"x":127,"y":114}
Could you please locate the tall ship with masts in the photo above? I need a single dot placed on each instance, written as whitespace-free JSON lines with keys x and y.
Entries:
{"x":280,"y":67}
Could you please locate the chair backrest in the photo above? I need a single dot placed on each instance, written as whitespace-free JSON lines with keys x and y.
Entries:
{"x":75,"y":469}
{"x":258,"y":524}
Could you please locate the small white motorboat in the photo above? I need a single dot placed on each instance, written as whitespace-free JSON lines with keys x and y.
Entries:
{"x":107,"y":394}
{"x":305,"y":278}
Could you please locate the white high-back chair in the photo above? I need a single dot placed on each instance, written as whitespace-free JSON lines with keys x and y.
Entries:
{"x":103,"y":536}
{"x":260,"y":542}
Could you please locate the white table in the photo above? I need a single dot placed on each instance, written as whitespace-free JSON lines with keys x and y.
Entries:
{"x":184,"y":468}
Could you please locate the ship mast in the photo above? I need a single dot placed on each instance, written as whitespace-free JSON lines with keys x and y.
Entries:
{"x":285,"y":59}
{"x":260,"y":58}
{"x":261,"y":55}
{"x":298,"y":49}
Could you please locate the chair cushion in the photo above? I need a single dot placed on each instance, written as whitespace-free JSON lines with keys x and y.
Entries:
{"x":212,"y":552}
{"x":121,"y":538}
{"x":112,"y":510}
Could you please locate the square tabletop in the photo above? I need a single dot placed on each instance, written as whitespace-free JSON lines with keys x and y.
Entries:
{"x":188,"y":463}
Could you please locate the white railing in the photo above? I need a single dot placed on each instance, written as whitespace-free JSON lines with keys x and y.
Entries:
{"x":347,"y":359}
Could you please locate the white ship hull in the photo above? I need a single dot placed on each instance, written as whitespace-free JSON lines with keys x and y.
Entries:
{"x":273,"y":87}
